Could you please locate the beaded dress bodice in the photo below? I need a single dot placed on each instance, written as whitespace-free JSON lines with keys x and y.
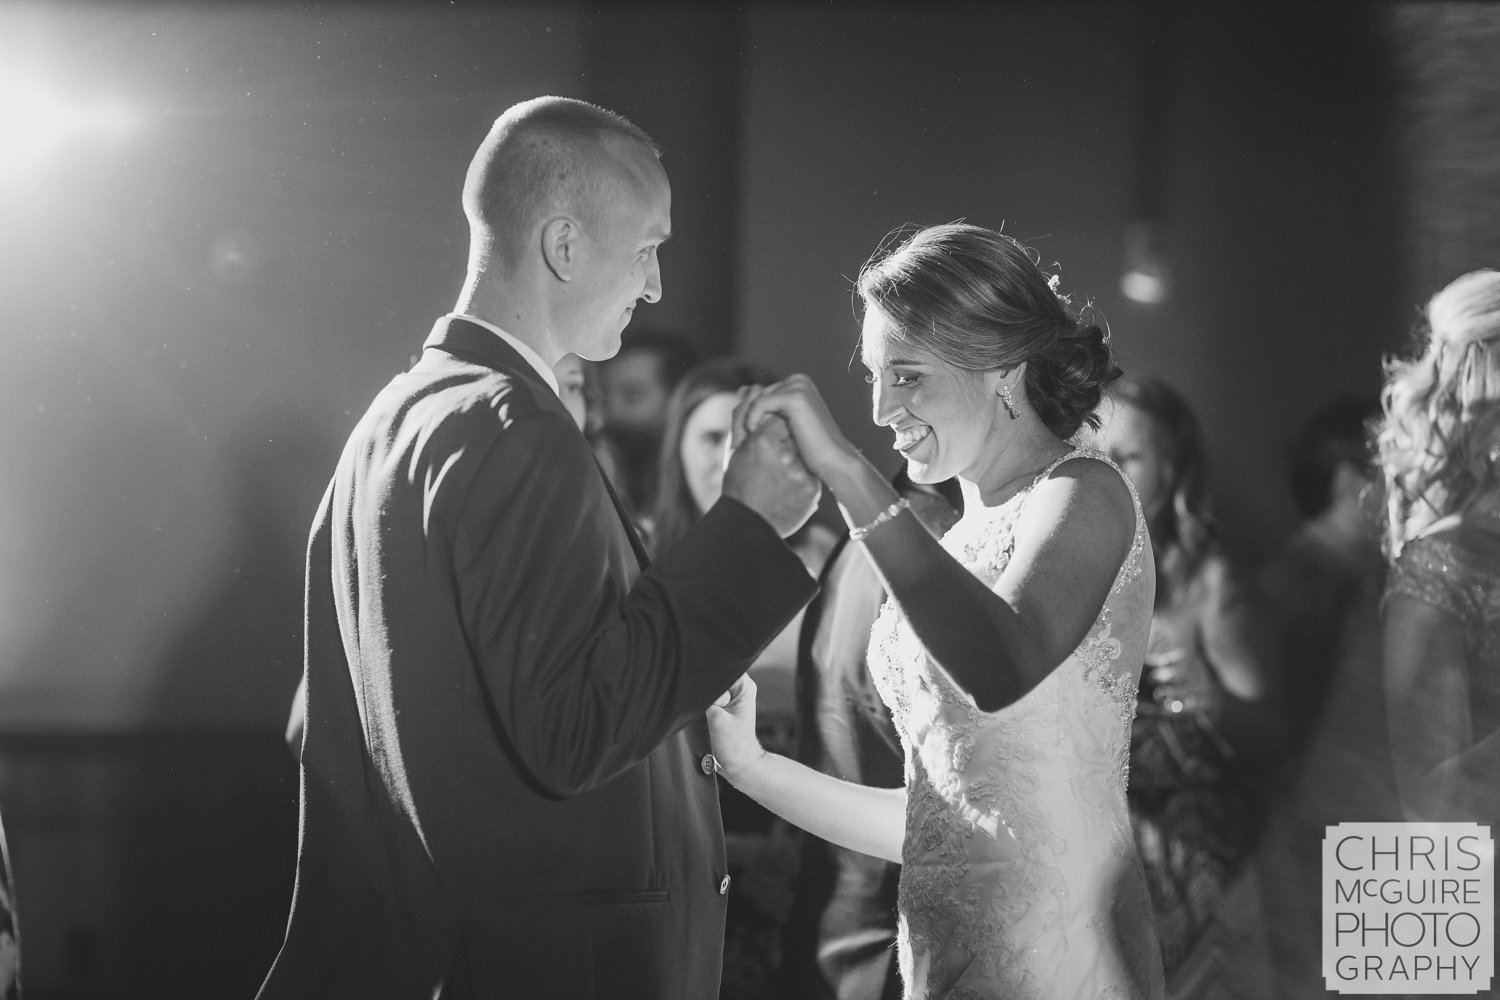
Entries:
{"x":1019,"y":877}
{"x":1459,"y":574}
{"x":1442,"y":571}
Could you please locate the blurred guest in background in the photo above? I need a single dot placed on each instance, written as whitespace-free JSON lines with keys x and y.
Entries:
{"x":578,"y":386}
{"x":692,"y":440}
{"x":1440,"y":454}
{"x":572,"y":389}
{"x":1205,"y":724}
{"x":762,"y":849}
{"x":634,"y":387}
{"x":840,"y":937}
{"x":1323,"y":590}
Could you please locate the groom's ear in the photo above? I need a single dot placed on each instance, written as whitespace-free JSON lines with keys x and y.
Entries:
{"x":561,"y":243}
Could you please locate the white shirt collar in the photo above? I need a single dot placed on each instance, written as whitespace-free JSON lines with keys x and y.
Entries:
{"x":523,"y":349}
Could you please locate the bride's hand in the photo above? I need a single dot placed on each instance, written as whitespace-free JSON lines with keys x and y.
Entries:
{"x":731,"y":726}
{"x":823,"y":448}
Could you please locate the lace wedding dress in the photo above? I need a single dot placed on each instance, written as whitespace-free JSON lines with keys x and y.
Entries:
{"x":1019,"y":877}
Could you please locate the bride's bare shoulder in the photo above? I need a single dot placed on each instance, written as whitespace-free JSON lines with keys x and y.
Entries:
{"x":1087,"y":495}
{"x":1092,"y":476}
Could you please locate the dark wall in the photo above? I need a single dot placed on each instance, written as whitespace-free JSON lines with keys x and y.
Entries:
{"x":1289,"y":236}
{"x":1447,"y":59}
{"x":675,"y":69}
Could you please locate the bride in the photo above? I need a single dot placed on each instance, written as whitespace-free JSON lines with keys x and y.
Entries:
{"x":1009,"y":653}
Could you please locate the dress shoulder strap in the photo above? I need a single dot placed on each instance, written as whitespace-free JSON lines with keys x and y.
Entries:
{"x":1093,"y":453}
{"x":1059,"y":460}
{"x":1130,"y":566}
{"x":1040,"y":477}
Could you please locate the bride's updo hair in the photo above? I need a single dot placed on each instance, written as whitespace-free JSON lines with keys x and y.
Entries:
{"x":977,"y":299}
{"x":1439,"y":441}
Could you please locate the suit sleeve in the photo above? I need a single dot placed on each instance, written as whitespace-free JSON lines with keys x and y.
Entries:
{"x":587,"y":677}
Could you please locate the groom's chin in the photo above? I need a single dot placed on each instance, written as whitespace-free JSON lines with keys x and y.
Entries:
{"x":601,"y":350}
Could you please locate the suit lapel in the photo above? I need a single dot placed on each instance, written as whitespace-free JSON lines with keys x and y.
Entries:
{"x":473,"y":343}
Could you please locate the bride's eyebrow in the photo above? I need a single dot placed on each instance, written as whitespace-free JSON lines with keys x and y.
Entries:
{"x":881,"y":364}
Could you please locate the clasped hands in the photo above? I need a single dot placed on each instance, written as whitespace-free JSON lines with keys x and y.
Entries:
{"x":784,"y":445}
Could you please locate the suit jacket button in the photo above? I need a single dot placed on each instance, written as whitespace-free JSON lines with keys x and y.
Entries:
{"x":709,"y":763}
{"x":724,"y":885}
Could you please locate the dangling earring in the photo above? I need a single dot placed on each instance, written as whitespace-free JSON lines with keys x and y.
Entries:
{"x":1010,"y":407}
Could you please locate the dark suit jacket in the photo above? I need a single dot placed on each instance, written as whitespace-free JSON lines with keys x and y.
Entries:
{"x":502,"y":782}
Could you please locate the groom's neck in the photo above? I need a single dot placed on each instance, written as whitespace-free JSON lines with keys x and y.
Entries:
{"x":509,"y":305}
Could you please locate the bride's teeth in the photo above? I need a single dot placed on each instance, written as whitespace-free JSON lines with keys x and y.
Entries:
{"x":910,"y":436}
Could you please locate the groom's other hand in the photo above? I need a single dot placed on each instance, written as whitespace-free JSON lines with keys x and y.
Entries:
{"x":766,"y":474}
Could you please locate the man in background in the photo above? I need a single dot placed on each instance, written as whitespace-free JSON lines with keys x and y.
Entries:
{"x":634,"y":387}
{"x":1323,"y":590}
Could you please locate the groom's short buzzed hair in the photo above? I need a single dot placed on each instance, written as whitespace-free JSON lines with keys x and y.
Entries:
{"x":541,"y":156}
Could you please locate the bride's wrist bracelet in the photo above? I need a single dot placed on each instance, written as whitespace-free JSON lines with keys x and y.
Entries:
{"x":889,"y":514}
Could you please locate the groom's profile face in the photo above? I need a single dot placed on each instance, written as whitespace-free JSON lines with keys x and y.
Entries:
{"x":619,"y":263}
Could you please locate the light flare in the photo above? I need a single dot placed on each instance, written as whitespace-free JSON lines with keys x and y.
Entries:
{"x":37,"y":121}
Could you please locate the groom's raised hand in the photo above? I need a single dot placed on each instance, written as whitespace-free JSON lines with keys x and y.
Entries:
{"x":766,"y":474}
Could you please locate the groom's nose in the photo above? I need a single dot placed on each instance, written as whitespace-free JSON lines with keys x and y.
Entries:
{"x":652,"y":291}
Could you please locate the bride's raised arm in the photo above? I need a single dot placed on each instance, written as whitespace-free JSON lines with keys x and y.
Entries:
{"x":996,"y":643}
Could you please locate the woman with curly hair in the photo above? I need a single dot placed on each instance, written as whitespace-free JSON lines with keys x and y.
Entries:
{"x":1008,"y":652}
{"x":1205,"y":725}
{"x":1439,"y":449}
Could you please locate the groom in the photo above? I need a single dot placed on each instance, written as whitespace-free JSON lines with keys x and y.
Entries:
{"x":506,"y":782}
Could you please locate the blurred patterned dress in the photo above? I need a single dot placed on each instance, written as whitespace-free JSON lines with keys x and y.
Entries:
{"x":1458,"y":574}
{"x":1019,"y":877}
{"x":1196,"y":819}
